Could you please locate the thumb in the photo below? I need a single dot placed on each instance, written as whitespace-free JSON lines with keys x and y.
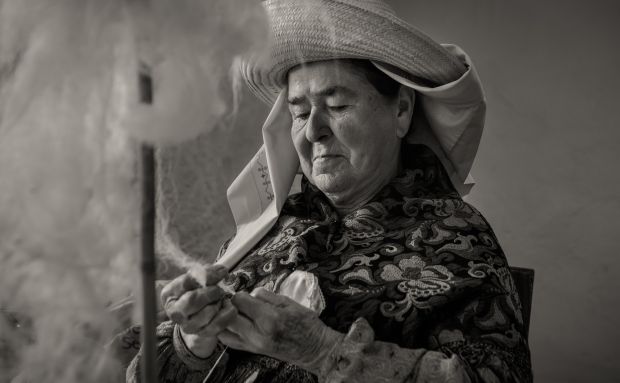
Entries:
{"x":268,"y":296}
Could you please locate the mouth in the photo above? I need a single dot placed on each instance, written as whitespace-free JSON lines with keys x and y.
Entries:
{"x":325,"y":156}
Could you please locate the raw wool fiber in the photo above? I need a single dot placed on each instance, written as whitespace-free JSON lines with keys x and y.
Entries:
{"x":69,"y":201}
{"x":69,"y":192}
{"x":193,"y":211}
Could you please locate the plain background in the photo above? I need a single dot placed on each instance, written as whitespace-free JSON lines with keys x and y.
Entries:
{"x":547,"y":168}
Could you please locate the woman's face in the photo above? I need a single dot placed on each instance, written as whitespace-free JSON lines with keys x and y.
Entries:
{"x":347,"y":135}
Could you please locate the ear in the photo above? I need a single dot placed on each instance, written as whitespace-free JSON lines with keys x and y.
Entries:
{"x":406,"y":102}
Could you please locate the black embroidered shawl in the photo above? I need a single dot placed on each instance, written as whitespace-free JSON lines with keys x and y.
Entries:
{"x":417,"y":262}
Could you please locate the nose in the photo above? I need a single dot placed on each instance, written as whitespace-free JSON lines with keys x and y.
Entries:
{"x":317,"y":127}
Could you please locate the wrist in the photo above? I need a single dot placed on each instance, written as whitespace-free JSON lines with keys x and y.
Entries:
{"x":215,"y":354}
{"x":199,"y":346}
{"x":330,"y":339}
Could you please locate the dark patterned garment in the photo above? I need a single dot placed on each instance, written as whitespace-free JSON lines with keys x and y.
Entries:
{"x":415,"y":278}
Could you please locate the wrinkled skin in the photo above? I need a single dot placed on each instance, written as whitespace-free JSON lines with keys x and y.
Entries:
{"x":347,"y":135}
{"x":276,"y":326}
{"x":201,"y":312}
{"x":262,"y":323}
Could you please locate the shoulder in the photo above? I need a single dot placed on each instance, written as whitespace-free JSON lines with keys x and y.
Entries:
{"x":451,"y":213}
{"x":447,"y":221}
{"x":452,"y":233}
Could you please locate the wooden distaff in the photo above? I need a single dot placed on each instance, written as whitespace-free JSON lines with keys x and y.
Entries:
{"x":148,"y":262}
{"x":144,"y":40}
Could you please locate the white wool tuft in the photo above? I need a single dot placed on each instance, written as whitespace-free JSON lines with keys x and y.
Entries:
{"x":69,"y":195}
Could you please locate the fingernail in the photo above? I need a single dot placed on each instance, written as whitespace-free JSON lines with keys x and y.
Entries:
{"x":170,"y":300}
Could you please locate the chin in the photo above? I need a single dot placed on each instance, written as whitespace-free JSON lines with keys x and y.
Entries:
{"x":330,"y":183}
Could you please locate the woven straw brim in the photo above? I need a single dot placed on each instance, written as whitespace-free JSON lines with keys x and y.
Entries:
{"x":315,"y":30}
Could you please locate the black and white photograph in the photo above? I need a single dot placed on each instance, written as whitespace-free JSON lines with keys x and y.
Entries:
{"x":272,"y":191}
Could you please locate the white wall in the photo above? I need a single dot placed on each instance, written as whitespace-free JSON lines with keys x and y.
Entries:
{"x":547,"y":169}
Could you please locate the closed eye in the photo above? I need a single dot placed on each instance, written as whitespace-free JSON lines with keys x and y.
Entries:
{"x":338,"y":108}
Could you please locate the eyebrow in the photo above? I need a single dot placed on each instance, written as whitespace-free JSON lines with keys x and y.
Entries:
{"x":330,"y":91}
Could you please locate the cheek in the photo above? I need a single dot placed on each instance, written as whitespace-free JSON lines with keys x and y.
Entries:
{"x":303,"y":149}
{"x":367,"y":141}
{"x":358,"y":136}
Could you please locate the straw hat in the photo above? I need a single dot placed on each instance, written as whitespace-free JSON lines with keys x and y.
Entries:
{"x":449,"y":112}
{"x":316,"y":30}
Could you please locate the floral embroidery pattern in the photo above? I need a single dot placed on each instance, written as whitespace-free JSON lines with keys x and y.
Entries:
{"x":419,"y":280}
{"x":484,"y":270}
{"x":412,"y":262}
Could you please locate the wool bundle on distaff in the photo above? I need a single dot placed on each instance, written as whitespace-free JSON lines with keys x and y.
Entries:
{"x":85,"y":87}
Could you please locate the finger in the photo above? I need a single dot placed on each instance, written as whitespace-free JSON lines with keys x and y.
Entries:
{"x":159,"y":287}
{"x":267,"y":296}
{"x":192,"y":302}
{"x":232,"y":340}
{"x":178,"y":287}
{"x":196,"y":322}
{"x":216,"y":273}
{"x":221,"y":320}
{"x":208,"y":275}
{"x":161,"y":284}
{"x":242,"y":326}
{"x":250,"y":306}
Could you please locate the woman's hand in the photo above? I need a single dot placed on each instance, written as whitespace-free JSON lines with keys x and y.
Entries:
{"x":279,"y":327}
{"x":200,"y":311}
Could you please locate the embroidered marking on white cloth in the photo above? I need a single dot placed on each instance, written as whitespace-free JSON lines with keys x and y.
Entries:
{"x":262,"y":178}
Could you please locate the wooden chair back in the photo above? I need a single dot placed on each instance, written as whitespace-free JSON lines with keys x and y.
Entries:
{"x":524,"y":282}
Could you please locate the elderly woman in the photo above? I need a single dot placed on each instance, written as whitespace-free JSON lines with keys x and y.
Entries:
{"x":376,"y":271}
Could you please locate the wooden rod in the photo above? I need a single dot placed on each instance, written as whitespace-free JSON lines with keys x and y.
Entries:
{"x":148,"y":264}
